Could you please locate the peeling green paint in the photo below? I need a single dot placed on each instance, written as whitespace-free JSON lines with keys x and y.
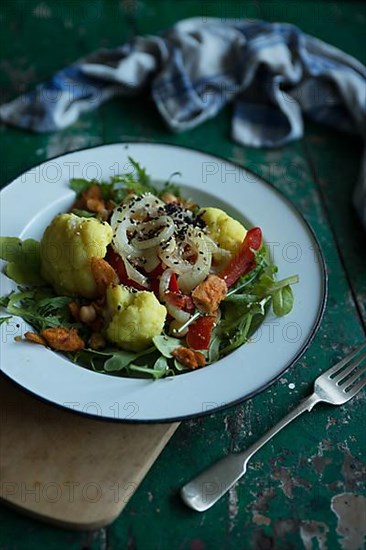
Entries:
{"x":293,"y":494}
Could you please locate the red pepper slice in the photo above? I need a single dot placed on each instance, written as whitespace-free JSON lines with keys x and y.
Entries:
{"x":244,"y":259}
{"x":116,"y":262}
{"x":173,"y":283}
{"x":181,"y":301}
{"x":199,"y":332}
{"x":154,"y":277}
{"x":156,"y":272}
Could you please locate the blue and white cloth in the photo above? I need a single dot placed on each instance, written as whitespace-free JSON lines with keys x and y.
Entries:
{"x":271,"y":72}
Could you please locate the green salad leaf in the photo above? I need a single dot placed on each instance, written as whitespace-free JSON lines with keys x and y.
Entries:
{"x":166,"y":345}
{"x":248,"y":302}
{"x":161,"y":365}
{"x":118,"y":187}
{"x":83,"y":213}
{"x":80,"y":185}
{"x":283,"y":300}
{"x":39,"y":307}
{"x":119,"y":361}
{"x":179,"y":367}
{"x":5,"y":319}
{"x":23,"y":260}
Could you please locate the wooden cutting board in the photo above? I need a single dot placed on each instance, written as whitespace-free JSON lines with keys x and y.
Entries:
{"x":70,"y":470}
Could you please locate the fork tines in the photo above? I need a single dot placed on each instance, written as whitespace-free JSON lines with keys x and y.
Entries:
{"x":338,"y":374}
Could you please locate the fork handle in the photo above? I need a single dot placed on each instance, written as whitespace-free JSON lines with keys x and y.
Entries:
{"x":208,"y":487}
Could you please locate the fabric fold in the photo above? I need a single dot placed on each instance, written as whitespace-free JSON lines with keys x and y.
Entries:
{"x":272,"y":73}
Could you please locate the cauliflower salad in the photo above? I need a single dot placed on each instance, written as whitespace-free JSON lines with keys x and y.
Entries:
{"x":139,"y":281}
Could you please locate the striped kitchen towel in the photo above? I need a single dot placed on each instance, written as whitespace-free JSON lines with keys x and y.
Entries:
{"x":272,"y":73}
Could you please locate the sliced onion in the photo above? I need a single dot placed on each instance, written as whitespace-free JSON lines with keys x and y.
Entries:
{"x":125,"y":219}
{"x":151,"y":259}
{"x":135,"y":275}
{"x":217,"y":251}
{"x":120,"y":238}
{"x":200,"y":269}
{"x":167,"y":231}
{"x":170,"y":256}
{"x":148,"y":252}
{"x":164,"y":283}
{"x":178,"y":314}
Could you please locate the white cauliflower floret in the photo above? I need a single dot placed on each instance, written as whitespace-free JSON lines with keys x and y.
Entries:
{"x":136,"y":317}
{"x":67,"y":246}
{"x":224,"y":230}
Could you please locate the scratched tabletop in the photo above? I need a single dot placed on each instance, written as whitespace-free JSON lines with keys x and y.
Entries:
{"x":306,"y":488}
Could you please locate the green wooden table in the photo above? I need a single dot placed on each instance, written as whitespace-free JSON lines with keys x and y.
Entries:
{"x":306,"y":489}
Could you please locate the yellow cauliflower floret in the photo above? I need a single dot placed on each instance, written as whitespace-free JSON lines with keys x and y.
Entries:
{"x":136,"y":317}
{"x":67,"y":246}
{"x":224,"y":230}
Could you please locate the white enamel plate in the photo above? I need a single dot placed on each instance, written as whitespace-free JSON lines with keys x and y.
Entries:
{"x":30,"y":202}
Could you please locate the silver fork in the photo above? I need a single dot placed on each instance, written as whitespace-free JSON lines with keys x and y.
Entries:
{"x":335,"y":386}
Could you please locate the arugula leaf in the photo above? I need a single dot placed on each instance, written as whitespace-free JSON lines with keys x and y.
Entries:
{"x":277,"y":285}
{"x":117,"y":188}
{"x":119,"y":361}
{"x":83,"y":213}
{"x":136,"y":181}
{"x":246,"y":304}
{"x":258,"y":308}
{"x":214,"y":349}
{"x":156,"y":374}
{"x":5,"y":319}
{"x":242,"y":298}
{"x":142,"y":176}
{"x":179,"y":367}
{"x":161,"y":365}
{"x":166,"y":345}
{"x":4,"y":300}
{"x":282,"y":301}
{"x":80,"y":185}
{"x":240,"y":336}
{"x":24,"y":260}
{"x":40,"y":308}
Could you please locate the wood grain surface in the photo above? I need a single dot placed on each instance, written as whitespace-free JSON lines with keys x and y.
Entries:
{"x":67,"y":469}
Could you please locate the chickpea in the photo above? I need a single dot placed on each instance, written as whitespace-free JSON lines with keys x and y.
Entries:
{"x":87,"y":314}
